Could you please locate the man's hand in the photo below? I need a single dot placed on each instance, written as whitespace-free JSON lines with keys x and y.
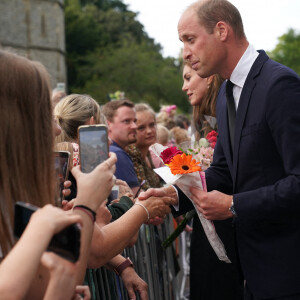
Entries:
{"x":168,"y":191}
{"x":213,"y":205}
{"x":133,"y":283}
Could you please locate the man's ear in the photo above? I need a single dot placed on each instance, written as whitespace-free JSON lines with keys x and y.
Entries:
{"x":221,"y":30}
{"x":109,"y":124}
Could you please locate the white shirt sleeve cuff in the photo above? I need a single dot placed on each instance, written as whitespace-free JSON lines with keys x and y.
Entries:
{"x":176,"y":207}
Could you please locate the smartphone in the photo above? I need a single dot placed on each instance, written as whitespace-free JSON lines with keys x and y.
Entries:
{"x":66,"y":243}
{"x":115,"y":192}
{"x":62,"y":159}
{"x":93,"y":146}
{"x":61,"y":87}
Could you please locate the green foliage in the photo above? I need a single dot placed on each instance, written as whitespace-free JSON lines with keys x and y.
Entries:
{"x":287,"y":51}
{"x":108,"y":50}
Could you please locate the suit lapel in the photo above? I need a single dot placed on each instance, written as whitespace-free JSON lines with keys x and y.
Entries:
{"x":243,"y":107}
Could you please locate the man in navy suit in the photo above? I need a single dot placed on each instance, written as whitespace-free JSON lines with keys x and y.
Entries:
{"x":255,"y":175}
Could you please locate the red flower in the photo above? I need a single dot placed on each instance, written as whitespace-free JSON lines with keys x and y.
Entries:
{"x":211,"y":134}
{"x":213,"y":144}
{"x":212,"y":138}
{"x":168,"y":154}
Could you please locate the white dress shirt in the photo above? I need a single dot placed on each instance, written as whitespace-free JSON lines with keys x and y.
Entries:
{"x":241,"y":71}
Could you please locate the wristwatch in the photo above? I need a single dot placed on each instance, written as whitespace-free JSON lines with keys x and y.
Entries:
{"x":231,"y":209}
{"x":122,"y":266}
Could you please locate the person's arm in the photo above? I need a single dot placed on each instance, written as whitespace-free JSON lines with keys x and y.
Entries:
{"x":117,"y":209}
{"x":130,"y":278}
{"x":26,"y":254}
{"x":62,"y":282}
{"x":91,"y":194}
{"x":110,"y":240}
{"x":278,"y":200}
{"x":275,"y":192}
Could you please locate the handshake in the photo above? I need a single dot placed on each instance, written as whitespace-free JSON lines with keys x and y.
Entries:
{"x":157,"y":203}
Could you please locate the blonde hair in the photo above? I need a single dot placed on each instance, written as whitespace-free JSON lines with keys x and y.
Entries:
{"x":163,"y":134}
{"x":180,"y":135}
{"x":141,"y":107}
{"x":73,"y":111}
{"x":27,"y":164}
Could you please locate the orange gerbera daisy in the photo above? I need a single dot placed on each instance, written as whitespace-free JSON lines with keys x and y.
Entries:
{"x":183,"y":164}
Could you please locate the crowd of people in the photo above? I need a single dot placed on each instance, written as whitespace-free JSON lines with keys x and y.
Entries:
{"x":253,"y":182}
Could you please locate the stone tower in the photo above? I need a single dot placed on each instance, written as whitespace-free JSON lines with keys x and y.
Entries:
{"x":35,"y":29}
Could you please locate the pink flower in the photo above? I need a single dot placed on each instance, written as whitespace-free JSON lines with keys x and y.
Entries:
{"x":168,"y":154}
{"x":205,"y":156}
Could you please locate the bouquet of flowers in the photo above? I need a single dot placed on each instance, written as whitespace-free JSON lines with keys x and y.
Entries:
{"x":203,"y":150}
{"x":183,"y":169}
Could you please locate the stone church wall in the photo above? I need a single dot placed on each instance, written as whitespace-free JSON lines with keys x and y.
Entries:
{"x":35,"y":29}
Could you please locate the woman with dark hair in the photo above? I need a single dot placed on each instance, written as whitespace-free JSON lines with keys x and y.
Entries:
{"x":210,"y":278}
{"x":202,"y":93}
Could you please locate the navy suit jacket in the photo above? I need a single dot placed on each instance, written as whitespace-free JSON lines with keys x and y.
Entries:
{"x":263,"y":174}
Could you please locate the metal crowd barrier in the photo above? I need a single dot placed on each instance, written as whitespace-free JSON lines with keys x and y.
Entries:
{"x":159,"y":268}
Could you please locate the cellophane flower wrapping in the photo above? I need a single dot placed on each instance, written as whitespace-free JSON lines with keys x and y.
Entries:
{"x":184,"y":182}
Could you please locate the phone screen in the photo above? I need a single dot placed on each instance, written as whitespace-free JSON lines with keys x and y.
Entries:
{"x":23,"y":212}
{"x":61,"y":87}
{"x":66,"y":243}
{"x":62,"y":169}
{"x":93,"y":147}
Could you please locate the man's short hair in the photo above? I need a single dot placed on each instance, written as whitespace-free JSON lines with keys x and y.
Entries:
{"x":210,"y":12}
{"x":109,"y":109}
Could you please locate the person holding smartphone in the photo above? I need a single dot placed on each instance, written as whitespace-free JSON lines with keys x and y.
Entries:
{"x":41,"y":228}
{"x":25,"y":95}
{"x":108,"y":239}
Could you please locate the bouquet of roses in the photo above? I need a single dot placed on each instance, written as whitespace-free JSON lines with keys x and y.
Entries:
{"x":183,"y":169}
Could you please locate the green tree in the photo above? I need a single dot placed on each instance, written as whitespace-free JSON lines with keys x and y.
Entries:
{"x":142,"y":73}
{"x":287,"y":51}
{"x":108,"y":50}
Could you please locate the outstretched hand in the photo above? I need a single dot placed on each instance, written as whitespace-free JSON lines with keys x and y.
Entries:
{"x":168,"y":192}
{"x":158,"y":192}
